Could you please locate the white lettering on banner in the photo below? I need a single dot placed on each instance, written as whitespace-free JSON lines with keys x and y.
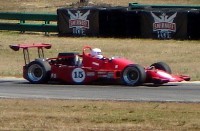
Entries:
{"x":78,"y":22}
{"x":163,"y":25}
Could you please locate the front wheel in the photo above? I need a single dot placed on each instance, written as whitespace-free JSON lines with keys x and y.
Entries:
{"x":38,"y":72}
{"x":133,"y":75}
{"x":162,"y":66}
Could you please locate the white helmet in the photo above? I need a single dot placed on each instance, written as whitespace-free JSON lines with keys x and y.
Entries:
{"x":96,"y":52}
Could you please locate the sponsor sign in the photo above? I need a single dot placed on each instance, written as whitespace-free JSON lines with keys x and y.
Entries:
{"x":164,"y":25}
{"x":78,"y":22}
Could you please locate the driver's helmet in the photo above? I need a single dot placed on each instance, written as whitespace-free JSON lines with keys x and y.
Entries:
{"x":96,"y":52}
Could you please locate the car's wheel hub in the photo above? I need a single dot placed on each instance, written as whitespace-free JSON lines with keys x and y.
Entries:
{"x":131,"y":76}
{"x":35,"y":72}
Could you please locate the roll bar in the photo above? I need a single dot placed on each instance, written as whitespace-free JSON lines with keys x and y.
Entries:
{"x":85,"y":48}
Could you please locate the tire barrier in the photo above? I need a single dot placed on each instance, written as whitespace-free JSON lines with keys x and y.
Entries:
{"x":193,"y":25}
{"x":140,"y":22}
{"x":103,"y":22}
{"x":119,"y":22}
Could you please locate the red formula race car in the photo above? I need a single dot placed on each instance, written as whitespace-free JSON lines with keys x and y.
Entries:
{"x":75,"y":68}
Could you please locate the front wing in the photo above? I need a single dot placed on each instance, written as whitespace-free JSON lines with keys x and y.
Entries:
{"x":159,"y":77}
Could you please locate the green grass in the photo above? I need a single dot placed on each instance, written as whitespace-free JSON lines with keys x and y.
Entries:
{"x":47,"y":114}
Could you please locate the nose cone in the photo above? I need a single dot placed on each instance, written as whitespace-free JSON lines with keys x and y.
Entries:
{"x":170,"y":77}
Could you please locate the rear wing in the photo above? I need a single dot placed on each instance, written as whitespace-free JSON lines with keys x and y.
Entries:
{"x":25,"y":48}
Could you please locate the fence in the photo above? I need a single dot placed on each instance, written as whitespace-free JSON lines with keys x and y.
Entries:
{"x":169,"y":6}
{"x":22,"y":26}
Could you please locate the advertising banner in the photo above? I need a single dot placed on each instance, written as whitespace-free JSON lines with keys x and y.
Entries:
{"x":156,"y":23}
{"x":164,"y":24}
{"x":78,"y":22}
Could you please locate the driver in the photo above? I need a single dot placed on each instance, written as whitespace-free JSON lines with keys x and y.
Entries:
{"x":96,"y":52}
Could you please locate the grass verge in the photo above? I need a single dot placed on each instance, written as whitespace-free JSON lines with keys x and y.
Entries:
{"x":26,"y":114}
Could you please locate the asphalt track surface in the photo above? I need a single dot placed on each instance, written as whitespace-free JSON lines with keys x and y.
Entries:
{"x":171,"y":92}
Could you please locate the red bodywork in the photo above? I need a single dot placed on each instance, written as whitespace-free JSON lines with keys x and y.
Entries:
{"x":87,"y":69}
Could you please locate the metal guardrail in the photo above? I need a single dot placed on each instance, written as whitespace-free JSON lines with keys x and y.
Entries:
{"x":23,"y":26}
{"x":143,"y":6}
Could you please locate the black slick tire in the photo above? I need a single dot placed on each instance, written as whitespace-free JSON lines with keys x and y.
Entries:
{"x":162,"y":66}
{"x":38,"y":71}
{"x":133,"y":75}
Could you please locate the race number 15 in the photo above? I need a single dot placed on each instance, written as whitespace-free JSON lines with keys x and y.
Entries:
{"x":78,"y":75}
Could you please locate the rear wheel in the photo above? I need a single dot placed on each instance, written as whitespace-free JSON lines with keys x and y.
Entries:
{"x":133,"y":75}
{"x":162,"y":66}
{"x":38,"y":71}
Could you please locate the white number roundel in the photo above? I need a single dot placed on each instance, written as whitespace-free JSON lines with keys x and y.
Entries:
{"x":78,"y":75}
